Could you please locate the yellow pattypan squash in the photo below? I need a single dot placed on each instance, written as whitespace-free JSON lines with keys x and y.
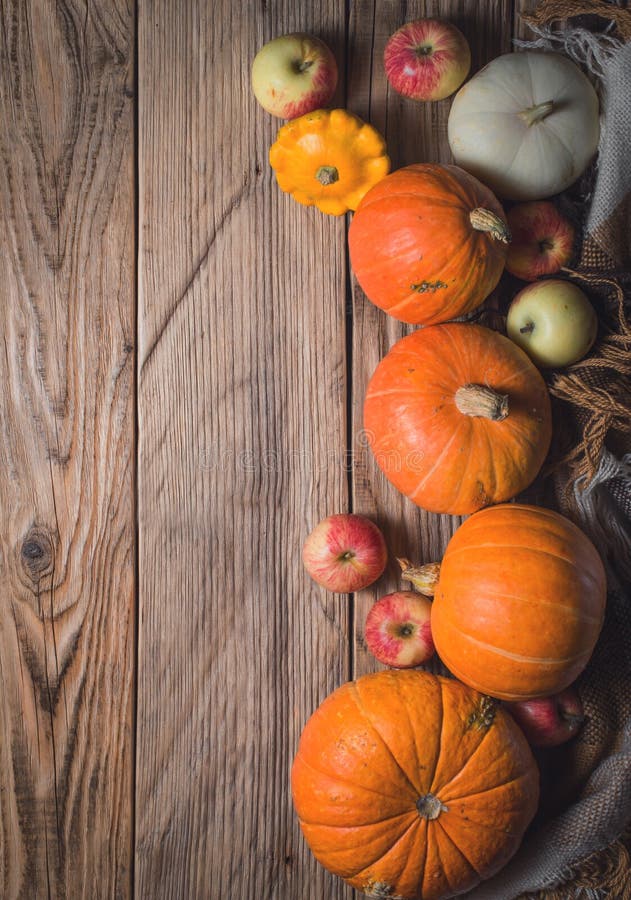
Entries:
{"x":329,"y":158}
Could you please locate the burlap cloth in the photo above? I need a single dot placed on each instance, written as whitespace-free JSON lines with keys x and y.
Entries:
{"x":577,"y":846}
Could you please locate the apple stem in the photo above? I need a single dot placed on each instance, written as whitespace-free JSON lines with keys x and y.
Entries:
{"x":485,"y":220}
{"x":424,"y":50}
{"x":423,"y":578}
{"x":327,"y":175}
{"x":480,"y":401}
{"x":528,"y":328}
{"x":536,"y":113}
{"x":303,"y":64}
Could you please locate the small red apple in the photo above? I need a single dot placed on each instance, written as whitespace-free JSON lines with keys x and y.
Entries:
{"x":549,"y":721}
{"x":398,"y":630}
{"x":345,"y":553}
{"x":427,"y":59}
{"x":293,"y":75}
{"x":542,"y":240}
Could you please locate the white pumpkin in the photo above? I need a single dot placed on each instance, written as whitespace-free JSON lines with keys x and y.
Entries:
{"x":526,"y":125}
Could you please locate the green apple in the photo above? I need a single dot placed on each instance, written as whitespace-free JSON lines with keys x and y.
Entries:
{"x":553,"y":321}
{"x":293,"y":75}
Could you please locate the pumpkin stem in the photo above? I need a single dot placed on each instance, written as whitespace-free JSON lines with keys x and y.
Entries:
{"x":430,"y":807}
{"x":327,"y":175}
{"x":485,"y":220}
{"x":536,"y":113}
{"x":423,"y":578}
{"x":480,"y":400}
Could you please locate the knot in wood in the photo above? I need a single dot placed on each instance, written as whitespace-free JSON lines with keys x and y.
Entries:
{"x":37,"y":552}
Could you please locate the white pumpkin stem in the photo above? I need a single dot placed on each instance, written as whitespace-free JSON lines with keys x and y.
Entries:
{"x":481,"y":401}
{"x":536,"y":113}
{"x":485,"y":220}
{"x":422,"y":578}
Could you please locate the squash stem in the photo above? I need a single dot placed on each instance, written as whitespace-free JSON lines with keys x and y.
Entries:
{"x":430,"y":807}
{"x":480,"y":401}
{"x":327,"y":175}
{"x":536,"y":113}
{"x":485,"y":220}
{"x":422,"y":578}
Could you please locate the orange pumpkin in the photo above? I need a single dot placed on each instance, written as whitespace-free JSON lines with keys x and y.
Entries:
{"x":428,"y":243}
{"x":411,"y":785}
{"x":519,"y":603}
{"x":458,"y":417}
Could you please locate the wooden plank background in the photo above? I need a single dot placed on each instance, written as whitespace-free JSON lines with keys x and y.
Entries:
{"x":185,"y":359}
{"x":67,"y":585}
{"x":241,"y":441}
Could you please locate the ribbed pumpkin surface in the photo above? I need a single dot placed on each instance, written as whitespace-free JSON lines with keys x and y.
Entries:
{"x":408,"y":785}
{"x":414,"y":250}
{"x":520,"y":602}
{"x":442,"y":459}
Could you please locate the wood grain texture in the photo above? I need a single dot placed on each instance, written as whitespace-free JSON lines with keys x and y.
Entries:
{"x":242,"y":388}
{"x":521,"y":31}
{"x":66,"y":444}
{"x":414,"y":132}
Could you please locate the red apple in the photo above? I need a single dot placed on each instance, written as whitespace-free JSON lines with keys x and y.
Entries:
{"x":549,"y":721}
{"x":293,"y":75}
{"x":345,"y":553}
{"x":542,"y":240}
{"x":427,"y":59}
{"x":398,"y":631}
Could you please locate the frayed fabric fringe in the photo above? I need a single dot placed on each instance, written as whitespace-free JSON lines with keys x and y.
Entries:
{"x":589,"y":50}
{"x":549,"y":11}
{"x":604,"y":874}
